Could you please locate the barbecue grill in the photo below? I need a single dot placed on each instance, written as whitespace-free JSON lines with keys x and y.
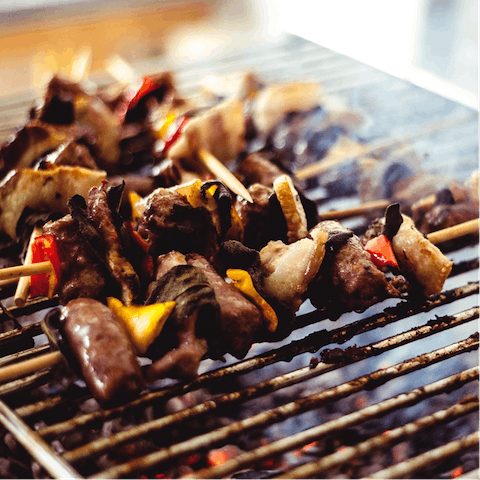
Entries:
{"x":387,"y":393}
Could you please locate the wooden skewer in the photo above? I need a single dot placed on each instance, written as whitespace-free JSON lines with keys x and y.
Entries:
{"x":20,"y":369}
{"x":10,"y":273}
{"x":450,"y":233}
{"x":23,"y":287}
{"x":353,"y":211}
{"x":124,"y":74}
{"x":338,"y":157}
{"x":217,"y":168}
{"x":47,"y":360}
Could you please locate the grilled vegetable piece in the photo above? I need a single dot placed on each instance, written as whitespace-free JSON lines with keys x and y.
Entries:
{"x":101,"y":347}
{"x":142,"y":323}
{"x":292,"y":208}
{"x":419,"y":259}
{"x":243,"y":281}
{"x":44,"y":247}
{"x":289,"y":269}
{"x":42,"y":190}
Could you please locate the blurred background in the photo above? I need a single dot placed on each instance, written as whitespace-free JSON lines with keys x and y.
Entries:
{"x":432,"y":43}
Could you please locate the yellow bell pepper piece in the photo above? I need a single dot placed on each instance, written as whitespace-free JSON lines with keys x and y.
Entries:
{"x":142,"y":323}
{"x":162,"y":130}
{"x":136,"y":205}
{"x":243,"y":281}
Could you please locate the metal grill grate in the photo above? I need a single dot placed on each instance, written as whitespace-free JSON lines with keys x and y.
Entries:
{"x":410,"y":366}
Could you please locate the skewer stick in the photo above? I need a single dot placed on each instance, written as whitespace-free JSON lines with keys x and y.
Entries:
{"x":353,"y":211}
{"x":456,"y":231}
{"x":10,"y":273}
{"x":20,"y":369}
{"x":47,"y":360}
{"x":23,"y":286}
{"x":218,"y":169}
{"x":316,"y":168}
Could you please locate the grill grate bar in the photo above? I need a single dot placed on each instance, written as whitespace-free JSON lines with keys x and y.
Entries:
{"x":266,"y":387}
{"x":404,"y":469}
{"x":35,"y":445}
{"x":314,"y":342}
{"x":347,"y":421}
{"x":291,"y":409}
{"x":383,"y":440}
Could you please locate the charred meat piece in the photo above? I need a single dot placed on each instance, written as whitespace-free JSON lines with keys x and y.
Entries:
{"x":42,"y":190}
{"x":100,"y":212}
{"x":88,"y":110}
{"x":263,"y":220}
{"x":170,"y":222}
{"x":445,"y":212}
{"x":257,"y":168}
{"x":101,"y":347}
{"x":29,"y":144}
{"x":241,"y":323}
{"x":348,"y":279}
{"x":83,"y":275}
{"x":192,"y":327}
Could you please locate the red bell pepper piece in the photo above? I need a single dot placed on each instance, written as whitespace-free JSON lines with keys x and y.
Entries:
{"x":135,"y":93}
{"x":147,"y":261}
{"x":174,"y":137}
{"x":44,"y":247}
{"x":381,"y":251}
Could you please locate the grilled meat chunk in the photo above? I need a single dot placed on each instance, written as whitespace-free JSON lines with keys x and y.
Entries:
{"x":170,"y":222}
{"x":102,"y":349}
{"x":191,"y":328}
{"x":121,"y":269}
{"x":241,"y":322}
{"x":83,"y":275}
{"x":257,"y":168}
{"x":348,"y":279}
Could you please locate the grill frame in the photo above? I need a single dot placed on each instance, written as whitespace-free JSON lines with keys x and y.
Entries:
{"x":350,"y":79}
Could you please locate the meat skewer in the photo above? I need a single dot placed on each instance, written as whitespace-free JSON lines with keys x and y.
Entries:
{"x":121,"y":71}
